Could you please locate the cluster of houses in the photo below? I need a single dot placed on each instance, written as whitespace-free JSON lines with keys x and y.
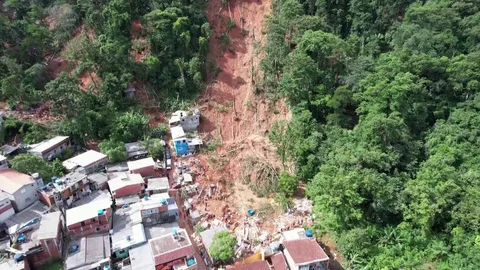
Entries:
{"x":97,"y":216}
{"x":119,"y":216}
{"x":183,"y":127}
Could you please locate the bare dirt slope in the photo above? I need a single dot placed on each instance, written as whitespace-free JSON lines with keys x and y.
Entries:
{"x":231,"y":112}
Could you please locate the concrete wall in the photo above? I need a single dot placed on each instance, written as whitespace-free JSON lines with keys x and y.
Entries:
{"x":96,"y":166}
{"x":59,"y":149}
{"x":129,"y":190}
{"x":98,"y":224}
{"x":144,"y":172}
{"x":24,"y":197}
{"x":6,"y":210}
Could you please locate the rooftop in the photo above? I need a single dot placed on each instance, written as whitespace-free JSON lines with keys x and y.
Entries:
{"x":48,"y":226}
{"x":141,"y":258}
{"x":135,"y":149}
{"x":47,"y":144}
{"x":11,"y":180}
{"x":117,"y":167}
{"x":124,"y":180}
{"x":177,"y":132}
{"x":87,"y":211}
{"x":2,"y":158}
{"x":258,"y":265}
{"x":23,"y":219}
{"x":65,"y":182}
{"x":171,"y":247}
{"x":141,"y":163}
{"x":160,"y":230}
{"x":3,"y":196}
{"x":158,"y":184}
{"x":98,"y":178}
{"x":126,"y":232}
{"x":127,"y":199}
{"x":94,"y":196}
{"x":278,"y":261}
{"x":305,"y":251}
{"x":91,"y":250}
{"x":187,"y":178}
{"x":84,"y":159}
{"x":297,"y":233}
{"x":8,"y":149}
{"x":207,"y":235}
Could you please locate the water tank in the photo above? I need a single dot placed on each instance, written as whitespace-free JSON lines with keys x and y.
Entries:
{"x":308,"y":233}
{"x":35,"y":175}
{"x":145,"y":198}
{"x":100,"y":212}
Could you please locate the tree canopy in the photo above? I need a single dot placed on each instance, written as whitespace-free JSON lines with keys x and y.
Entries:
{"x":222,"y":248}
{"x":385,"y":104}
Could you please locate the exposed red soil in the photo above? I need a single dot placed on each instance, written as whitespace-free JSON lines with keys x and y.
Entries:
{"x":136,"y":29}
{"x":89,"y":78}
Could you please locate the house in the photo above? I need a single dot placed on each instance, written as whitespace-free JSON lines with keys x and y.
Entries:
{"x":207,"y":240}
{"x":65,"y":190}
{"x":127,"y":231}
{"x":91,"y":161}
{"x":126,"y":184}
{"x":278,"y":261}
{"x":183,"y":144}
{"x":88,"y":253}
{"x":116,"y":167}
{"x":136,"y":150}
{"x":157,"y":209}
{"x":91,"y":218}
{"x":6,"y":208}
{"x":305,"y":253}
{"x":157,"y":185}
{"x":130,"y":91}
{"x":145,"y":167}
{"x":47,"y":240}
{"x":9,"y":150}
{"x":189,"y":121}
{"x":51,"y":148}
{"x":257,"y":265}
{"x":174,"y":250}
{"x":98,"y":181}
{"x":26,"y":220}
{"x":20,"y":188}
{"x":3,"y":163}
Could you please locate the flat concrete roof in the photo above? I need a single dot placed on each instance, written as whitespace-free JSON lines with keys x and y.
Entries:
{"x":177,"y":132}
{"x":47,"y":144}
{"x":125,"y":180}
{"x":87,"y":211}
{"x":48,"y":226}
{"x":158,"y":184}
{"x":91,"y":249}
{"x":140,"y":164}
{"x":84,"y":160}
{"x":141,"y":258}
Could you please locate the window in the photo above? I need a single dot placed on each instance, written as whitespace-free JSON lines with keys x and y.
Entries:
{"x":48,"y":242}
{"x":82,"y":223}
{"x":94,"y":220}
{"x":27,"y":199}
{"x":97,"y":229}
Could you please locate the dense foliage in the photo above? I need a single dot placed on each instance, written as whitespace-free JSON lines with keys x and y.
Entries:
{"x":385,"y":100}
{"x":28,"y":163}
{"x":222,"y":248}
{"x":97,"y":38}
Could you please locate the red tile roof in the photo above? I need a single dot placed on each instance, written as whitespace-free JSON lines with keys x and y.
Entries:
{"x":278,"y":262}
{"x":305,"y":250}
{"x":173,"y":255}
{"x":258,"y":265}
{"x":11,"y":180}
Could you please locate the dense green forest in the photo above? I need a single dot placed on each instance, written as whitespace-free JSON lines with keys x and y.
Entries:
{"x":386,"y":124}
{"x":95,"y":36}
